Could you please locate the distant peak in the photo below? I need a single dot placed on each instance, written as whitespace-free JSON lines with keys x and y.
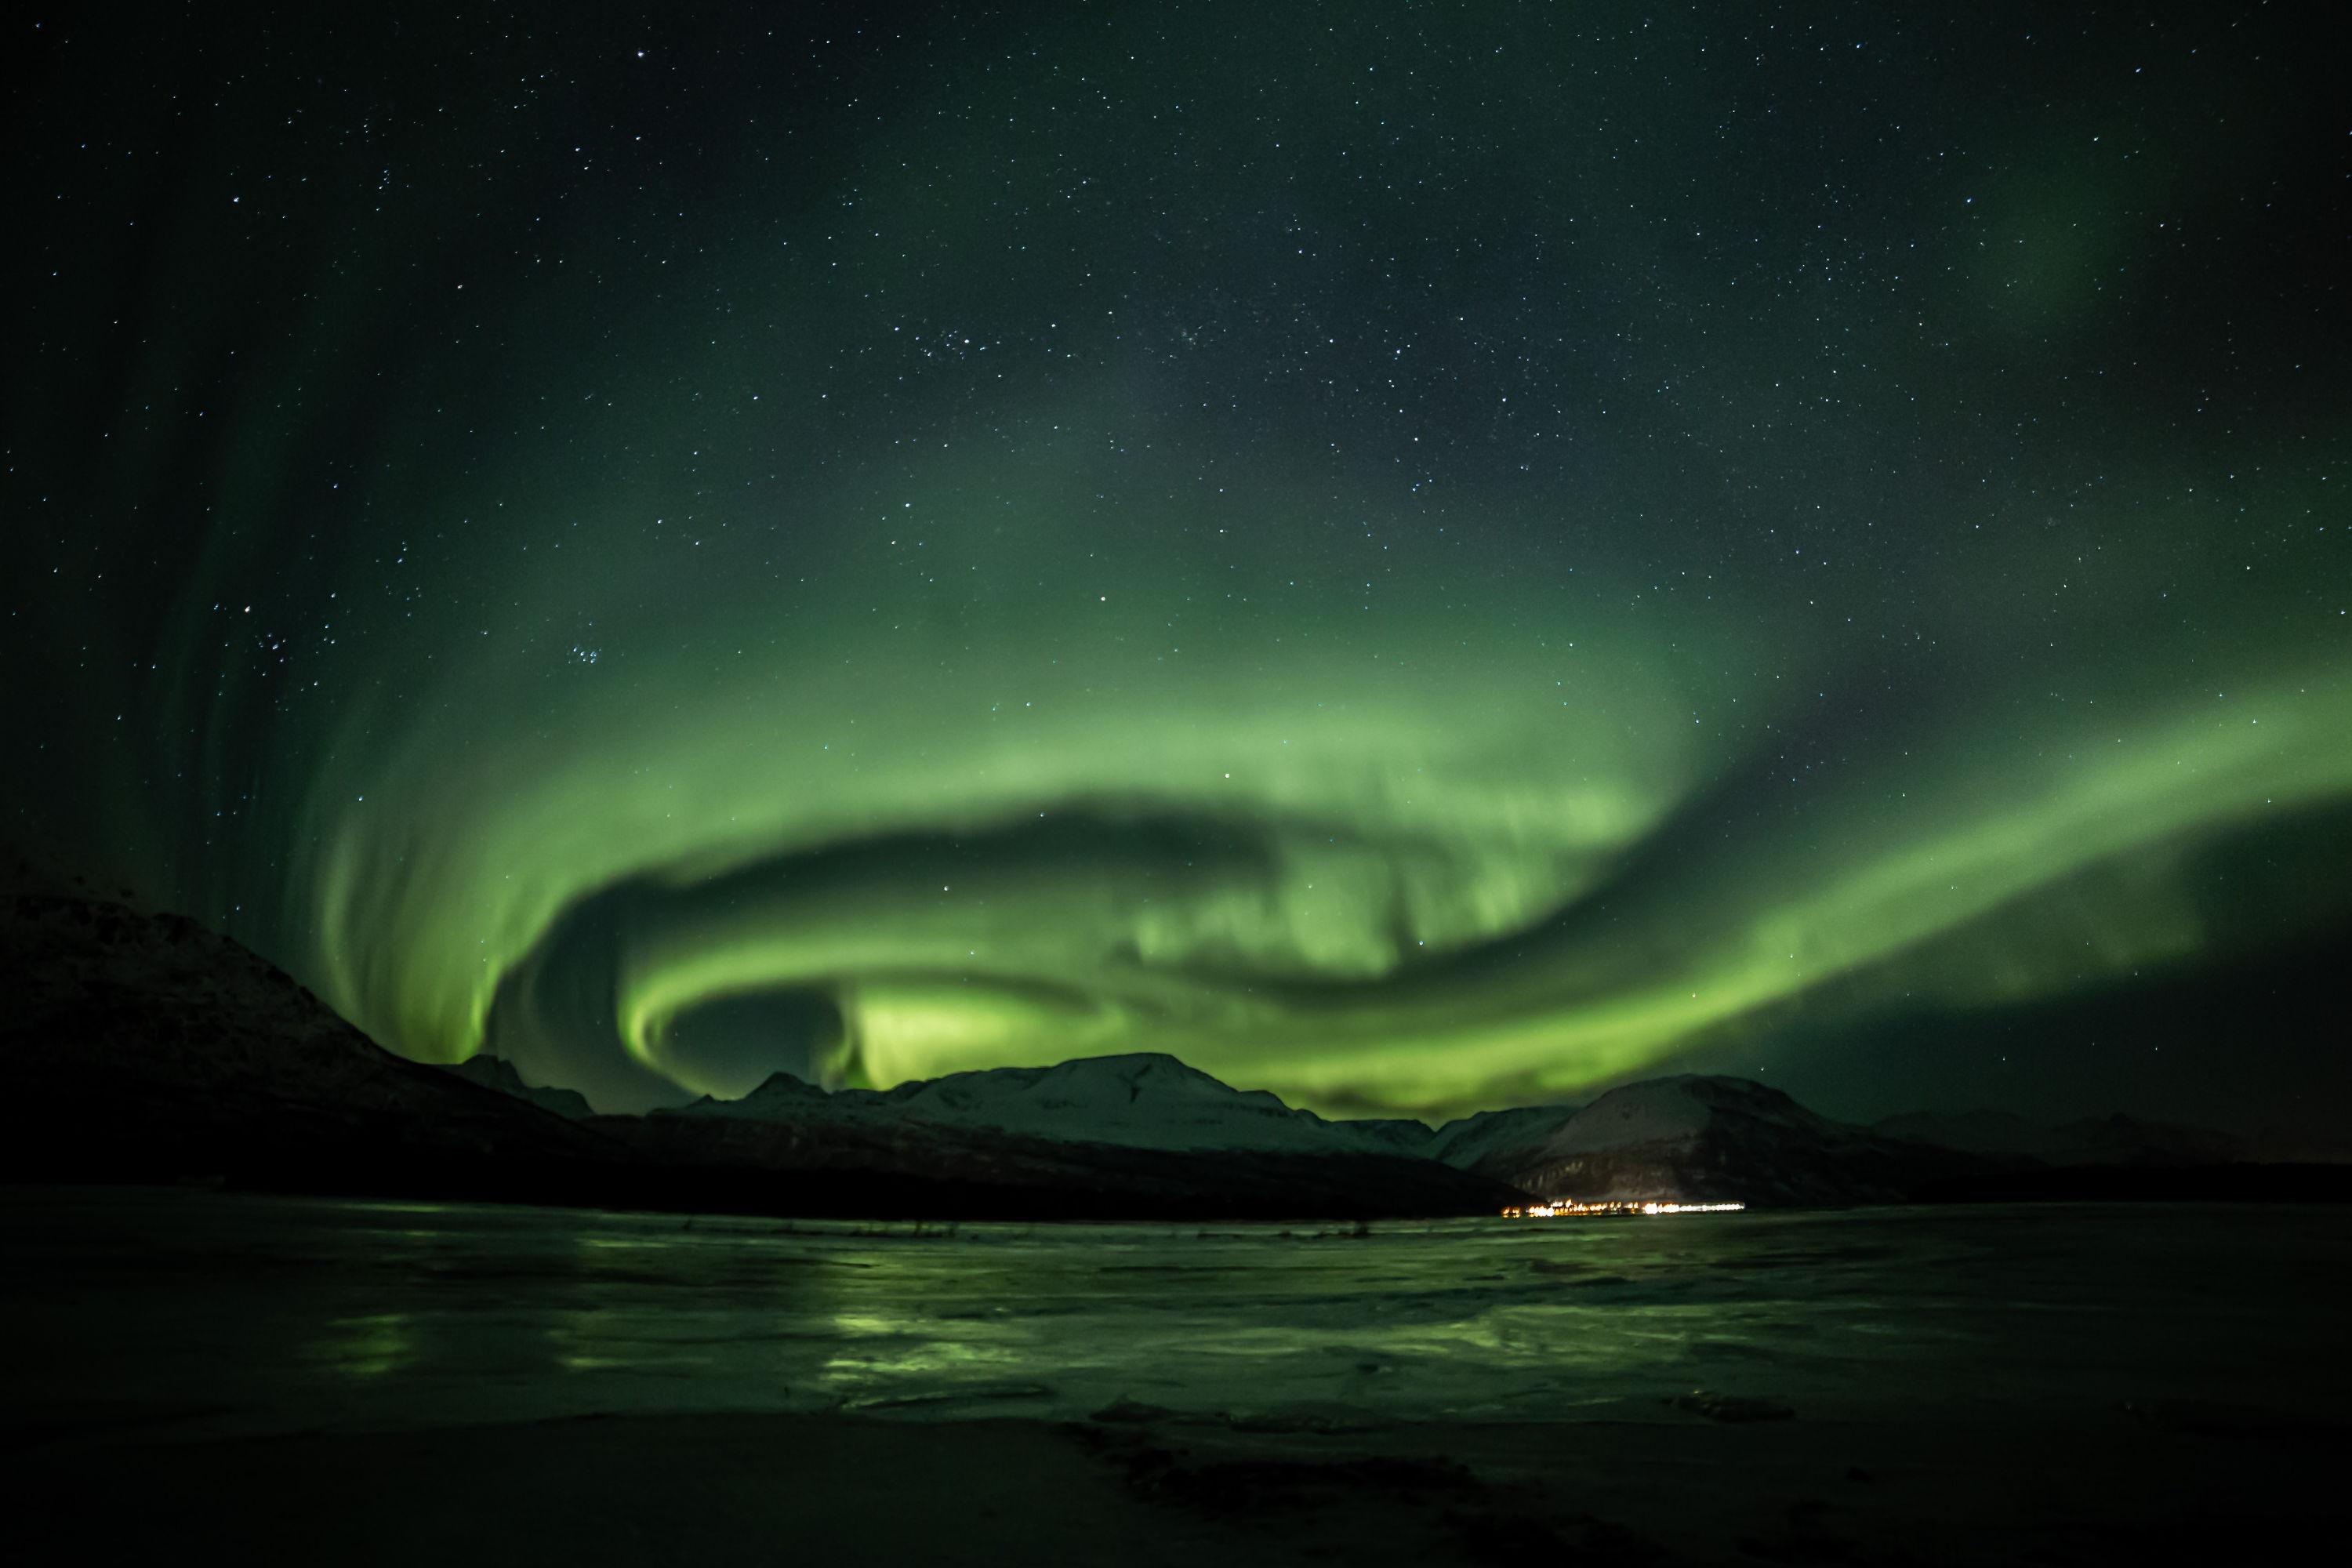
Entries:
{"x":1713,"y":1088}
{"x":782,"y":1083}
{"x":1130,"y":1064}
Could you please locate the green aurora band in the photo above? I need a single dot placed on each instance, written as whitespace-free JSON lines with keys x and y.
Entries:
{"x":1327,"y":925}
{"x":949,"y":595}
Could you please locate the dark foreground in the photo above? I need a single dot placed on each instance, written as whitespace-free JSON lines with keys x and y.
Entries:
{"x":778,"y":1488}
{"x":290,"y":1379}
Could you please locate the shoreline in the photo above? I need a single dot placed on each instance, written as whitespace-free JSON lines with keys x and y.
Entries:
{"x":838,"y":1197}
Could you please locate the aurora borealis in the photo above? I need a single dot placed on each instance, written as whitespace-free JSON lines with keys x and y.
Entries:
{"x":1417,"y":558}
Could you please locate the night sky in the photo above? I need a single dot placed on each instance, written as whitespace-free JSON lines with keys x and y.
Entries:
{"x":1418,"y":557}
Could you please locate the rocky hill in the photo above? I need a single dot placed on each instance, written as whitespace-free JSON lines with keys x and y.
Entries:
{"x":1696,"y":1139}
{"x":497,"y":1073}
{"x":143,"y":1045}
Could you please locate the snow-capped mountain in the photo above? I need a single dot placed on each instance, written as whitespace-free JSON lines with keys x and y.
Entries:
{"x":1464,"y":1142}
{"x":146,"y":1046}
{"x":1143,"y":1100}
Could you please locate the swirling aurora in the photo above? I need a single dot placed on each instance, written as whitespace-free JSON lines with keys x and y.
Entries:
{"x":1423,"y":567}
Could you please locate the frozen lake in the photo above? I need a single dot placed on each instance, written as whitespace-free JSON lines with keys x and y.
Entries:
{"x":173,"y":1313}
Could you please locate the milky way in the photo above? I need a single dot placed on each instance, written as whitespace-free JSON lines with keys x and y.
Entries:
{"x":1415,"y":560}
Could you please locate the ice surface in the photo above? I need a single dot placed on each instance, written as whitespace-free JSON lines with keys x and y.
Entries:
{"x":269,"y":1314}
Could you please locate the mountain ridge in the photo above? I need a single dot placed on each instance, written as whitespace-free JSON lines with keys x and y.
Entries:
{"x":1134,"y":1099}
{"x":150,"y":1048}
